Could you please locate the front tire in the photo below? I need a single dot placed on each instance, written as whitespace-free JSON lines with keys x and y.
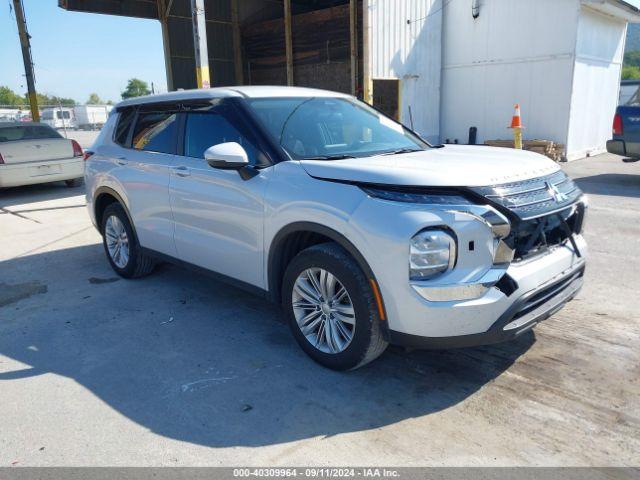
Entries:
{"x":121,"y":244}
{"x":331,"y":309}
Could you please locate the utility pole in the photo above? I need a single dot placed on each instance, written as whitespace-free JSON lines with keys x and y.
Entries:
{"x":200,"y":43}
{"x":26,"y":57}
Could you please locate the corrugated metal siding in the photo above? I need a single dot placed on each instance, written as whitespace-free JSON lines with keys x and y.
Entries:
{"x":405,"y":38}
{"x":516,"y":51}
{"x":392,"y":38}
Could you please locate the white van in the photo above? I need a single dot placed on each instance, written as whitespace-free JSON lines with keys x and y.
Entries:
{"x":59,"y":117}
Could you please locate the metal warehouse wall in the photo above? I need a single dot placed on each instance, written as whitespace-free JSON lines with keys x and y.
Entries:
{"x":516,"y":51}
{"x":321,"y":50}
{"x":405,"y":43}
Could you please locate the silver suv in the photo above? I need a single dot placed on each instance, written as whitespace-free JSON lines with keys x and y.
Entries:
{"x":365,"y":233}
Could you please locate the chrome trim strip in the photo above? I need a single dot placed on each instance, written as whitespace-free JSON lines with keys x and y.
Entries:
{"x":475,"y":290}
{"x":571,"y":205}
{"x":460,"y":291}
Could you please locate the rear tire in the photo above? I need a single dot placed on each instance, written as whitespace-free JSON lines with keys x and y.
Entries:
{"x":338,"y":344}
{"x":121,"y":244}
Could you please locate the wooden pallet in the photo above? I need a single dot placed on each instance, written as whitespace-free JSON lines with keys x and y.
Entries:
{"x":553,"y":150}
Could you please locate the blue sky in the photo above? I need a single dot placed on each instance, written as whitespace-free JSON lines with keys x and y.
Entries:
{"x":78,"y":53}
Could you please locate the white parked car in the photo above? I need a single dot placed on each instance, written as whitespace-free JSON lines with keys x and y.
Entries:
{"x":35,"y":153}
{"x":365,"y":234}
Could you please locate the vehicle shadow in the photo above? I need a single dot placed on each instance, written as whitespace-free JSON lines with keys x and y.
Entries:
{"x":199,"y":361}
{"x":612,"y":184}
{"x":37,"y":193}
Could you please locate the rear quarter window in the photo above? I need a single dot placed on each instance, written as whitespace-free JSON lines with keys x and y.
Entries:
{"x":125,"y":119}
{"x":27,"y":132}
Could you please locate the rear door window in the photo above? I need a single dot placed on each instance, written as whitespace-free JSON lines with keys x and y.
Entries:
{"x":27,"y":132}
{"x":156,"y":132}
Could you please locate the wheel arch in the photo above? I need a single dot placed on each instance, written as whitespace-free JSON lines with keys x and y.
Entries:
{"x":279,"y":257}
{"x":102,"y":198}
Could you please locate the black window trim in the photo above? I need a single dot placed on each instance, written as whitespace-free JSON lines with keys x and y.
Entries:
{"x":272,"y":152}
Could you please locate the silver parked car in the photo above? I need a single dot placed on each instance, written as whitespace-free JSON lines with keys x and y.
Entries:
{"x":365,"y":233}
{"x":35,"y":153}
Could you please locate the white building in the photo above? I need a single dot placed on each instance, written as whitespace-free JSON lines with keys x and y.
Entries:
{"x":465,"y":63}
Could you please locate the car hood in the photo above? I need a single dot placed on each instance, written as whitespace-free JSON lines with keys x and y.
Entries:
{"x":450,"y":166}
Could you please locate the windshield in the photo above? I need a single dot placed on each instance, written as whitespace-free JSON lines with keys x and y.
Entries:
{"x":332,"y":128}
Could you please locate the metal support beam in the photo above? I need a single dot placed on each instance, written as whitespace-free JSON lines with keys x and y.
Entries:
{"x":237,"y":43}
{"x":200,"y":43}
{"x":26,"y":58}
{"x":163,"y":12}
{"x":367,"y":93}
{"x":353,"y":14}
{"x":288,"y":41}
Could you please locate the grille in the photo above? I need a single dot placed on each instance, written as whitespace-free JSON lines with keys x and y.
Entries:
{"x":536,"y":197}
{"x":539,"y":204}
{"x":534,"y":236}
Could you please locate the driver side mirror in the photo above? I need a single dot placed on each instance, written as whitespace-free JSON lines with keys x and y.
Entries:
{"x":227,"y":156}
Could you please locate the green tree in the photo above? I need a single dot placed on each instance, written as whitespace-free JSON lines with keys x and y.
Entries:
{"x":632,"y":59}
{"x":94,"y":99}
{"x":53,"y":100}
{"x":10,"y":98}
{"x":630,"y":72}
{"x":135,"y":88}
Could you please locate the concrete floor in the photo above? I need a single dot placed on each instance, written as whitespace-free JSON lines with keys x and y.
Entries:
{"x":177,"y":369}
{"x":84,"y":138}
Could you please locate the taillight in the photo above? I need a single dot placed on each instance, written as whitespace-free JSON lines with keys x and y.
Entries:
{"x":77,"y":149}
{"x":87,"y":154}
{"x":617,"y":125}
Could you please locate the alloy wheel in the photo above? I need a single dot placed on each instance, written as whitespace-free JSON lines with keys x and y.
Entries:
{"x":117,"y":241}
{"x":323,"y":310}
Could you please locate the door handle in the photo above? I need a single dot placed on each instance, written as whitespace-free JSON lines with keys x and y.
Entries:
{"x":181,"y":171}
{"x":121,"y":161}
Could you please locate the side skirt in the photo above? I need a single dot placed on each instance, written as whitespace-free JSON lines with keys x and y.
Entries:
{"x":161,"y":257}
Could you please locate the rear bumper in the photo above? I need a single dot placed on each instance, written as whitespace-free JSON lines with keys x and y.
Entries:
{"x":17,"y":174}
{"x":623,"y":148}
{"x":525,"y":313}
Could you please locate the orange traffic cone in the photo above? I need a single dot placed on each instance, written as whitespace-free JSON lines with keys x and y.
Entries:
{"x":516,"y":121}
{"x":516,"y":125}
